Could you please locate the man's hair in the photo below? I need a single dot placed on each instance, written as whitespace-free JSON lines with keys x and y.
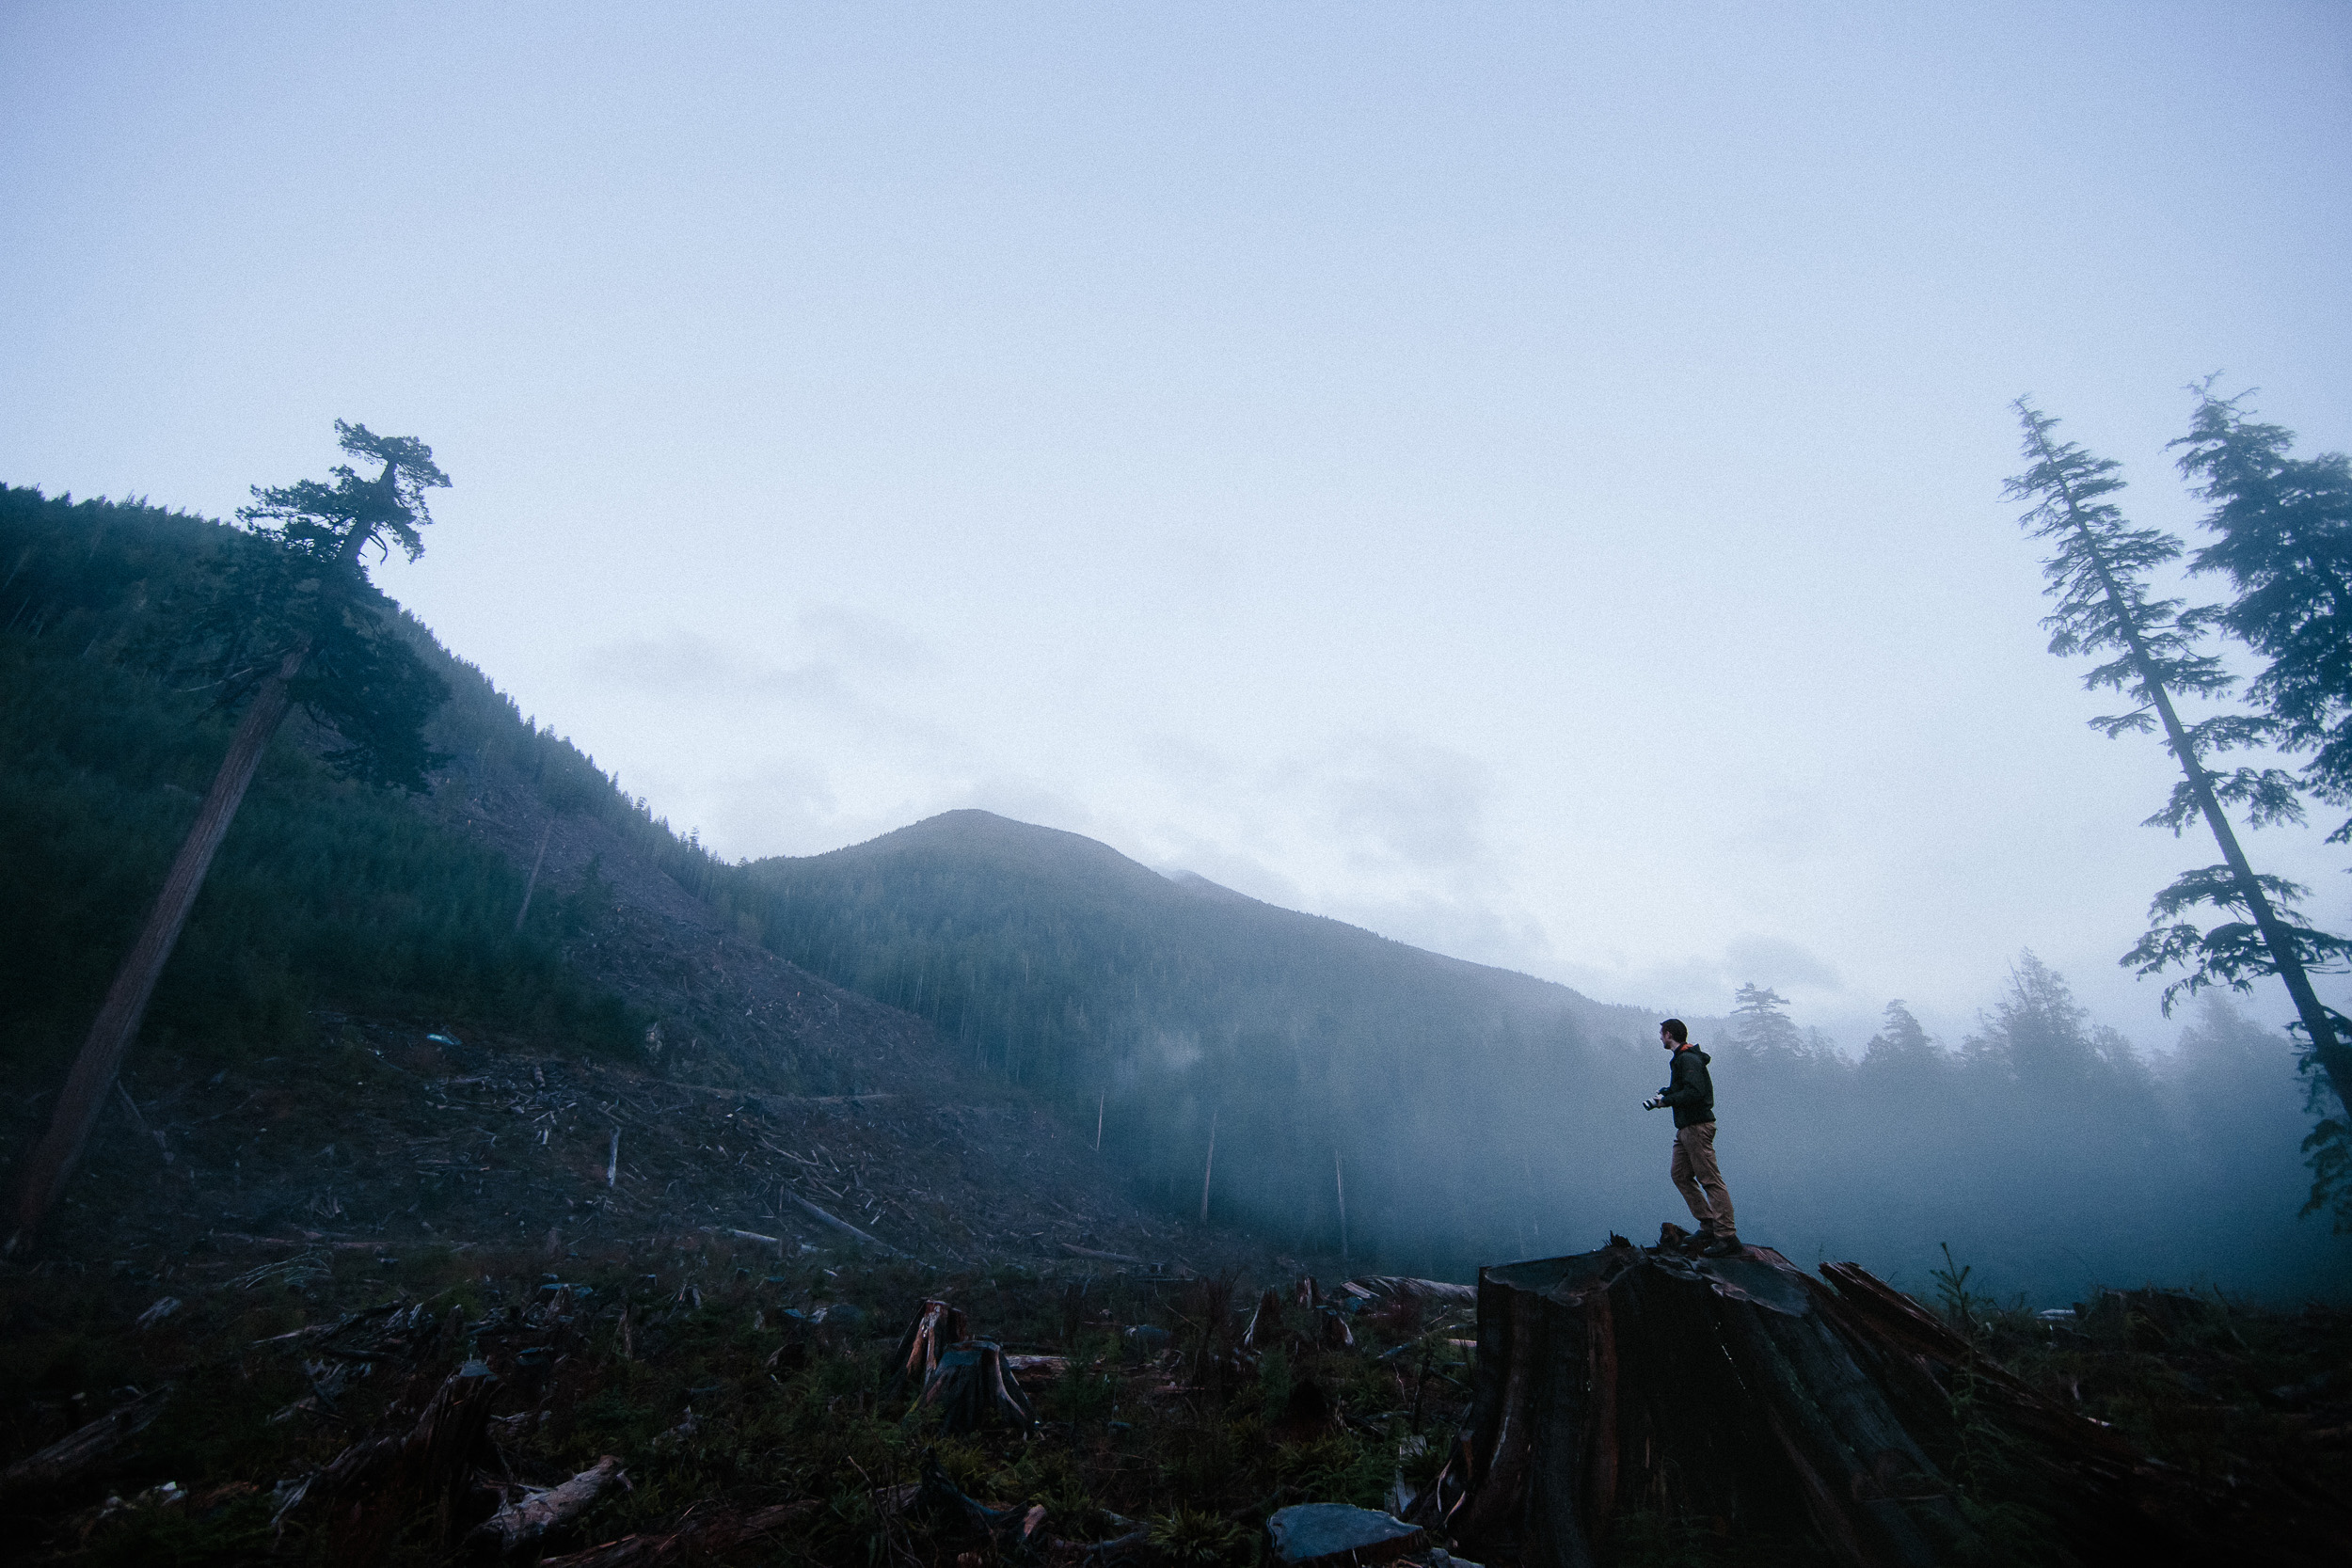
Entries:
{"x":1675,"y":1032}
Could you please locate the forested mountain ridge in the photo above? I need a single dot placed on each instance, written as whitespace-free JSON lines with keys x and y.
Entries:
{"x":1052,"y":901}
{"x":373,"y":985}
{"x":1334,"y":1063}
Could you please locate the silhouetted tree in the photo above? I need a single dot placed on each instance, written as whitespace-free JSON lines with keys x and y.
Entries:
{"x":2040,"y":1039}
{"x":296,"y":622}
{"x":2284,"y":537}
{"x":2283,"y":530}
{"x":1901,"y":1045}
{"x":2097,"y":574}
{"x":1760,"y":1024}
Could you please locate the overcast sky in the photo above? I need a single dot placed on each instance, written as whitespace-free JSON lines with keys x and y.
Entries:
{"x":1524,"y":479}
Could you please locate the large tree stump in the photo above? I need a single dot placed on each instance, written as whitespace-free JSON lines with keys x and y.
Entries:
{"x":925,"y":1340}
{"x":1739,"y":1397}
{"x":971,"y":1388}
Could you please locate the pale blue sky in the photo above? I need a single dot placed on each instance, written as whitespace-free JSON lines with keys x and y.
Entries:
{"x":1524,"y":479}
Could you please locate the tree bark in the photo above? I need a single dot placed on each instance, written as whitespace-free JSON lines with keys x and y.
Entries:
{"x":52,"y":1161}
{"x":924,"y":1344}
{"x":377,"y":1488}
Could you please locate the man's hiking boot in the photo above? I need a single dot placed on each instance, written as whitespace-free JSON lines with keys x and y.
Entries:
{"x":1722,"y":1246}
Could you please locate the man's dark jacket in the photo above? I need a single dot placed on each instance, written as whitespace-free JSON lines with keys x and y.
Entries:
{"x":1693,"y":1092}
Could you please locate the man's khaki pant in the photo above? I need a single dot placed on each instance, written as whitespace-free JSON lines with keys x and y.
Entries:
{"x":1701,"y":1184}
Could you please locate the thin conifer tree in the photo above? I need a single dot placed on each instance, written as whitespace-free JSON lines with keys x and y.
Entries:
{"x":2097,"y":573}
{"x":296,"y":624}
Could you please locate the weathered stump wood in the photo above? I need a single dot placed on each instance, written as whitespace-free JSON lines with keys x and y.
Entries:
{"x":970,"y":1388}
{"x":1738,"y":1395}
{"x":1621,"y":1380}
{"x":925,"y":1340}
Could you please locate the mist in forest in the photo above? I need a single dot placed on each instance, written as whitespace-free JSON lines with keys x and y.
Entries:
{"x":1423,"y":1113}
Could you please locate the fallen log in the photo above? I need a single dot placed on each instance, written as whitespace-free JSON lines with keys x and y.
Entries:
{"x":297,"y":1241}
{"x":845,"y":1226}
{"x":537,"y":1511}
{"x":1392,"y":1286}
{"x":1076,"y":1251}
{"x":703,"y":1529}
{"x":1738,"y":1395}
{"x":87,"y":1448}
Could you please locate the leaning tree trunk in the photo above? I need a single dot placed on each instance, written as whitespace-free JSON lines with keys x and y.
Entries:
{"x":1739,"y":1398}
{"x":54,"y":1159}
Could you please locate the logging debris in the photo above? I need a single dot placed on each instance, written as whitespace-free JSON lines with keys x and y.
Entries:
{"x":89,"y":1449}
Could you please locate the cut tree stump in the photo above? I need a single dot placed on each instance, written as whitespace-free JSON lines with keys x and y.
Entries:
{"x":925,"y":1340}
{"x":1738,"y":1396}
{"x":971,"y":1388}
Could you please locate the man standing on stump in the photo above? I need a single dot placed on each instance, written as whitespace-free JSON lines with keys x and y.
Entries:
{"x":1691,"y":1095}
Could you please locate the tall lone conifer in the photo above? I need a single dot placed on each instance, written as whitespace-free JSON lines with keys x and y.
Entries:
{"x":298,"y":625}
{"x":2282,"y":534}
{"x":2097,"y":574}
